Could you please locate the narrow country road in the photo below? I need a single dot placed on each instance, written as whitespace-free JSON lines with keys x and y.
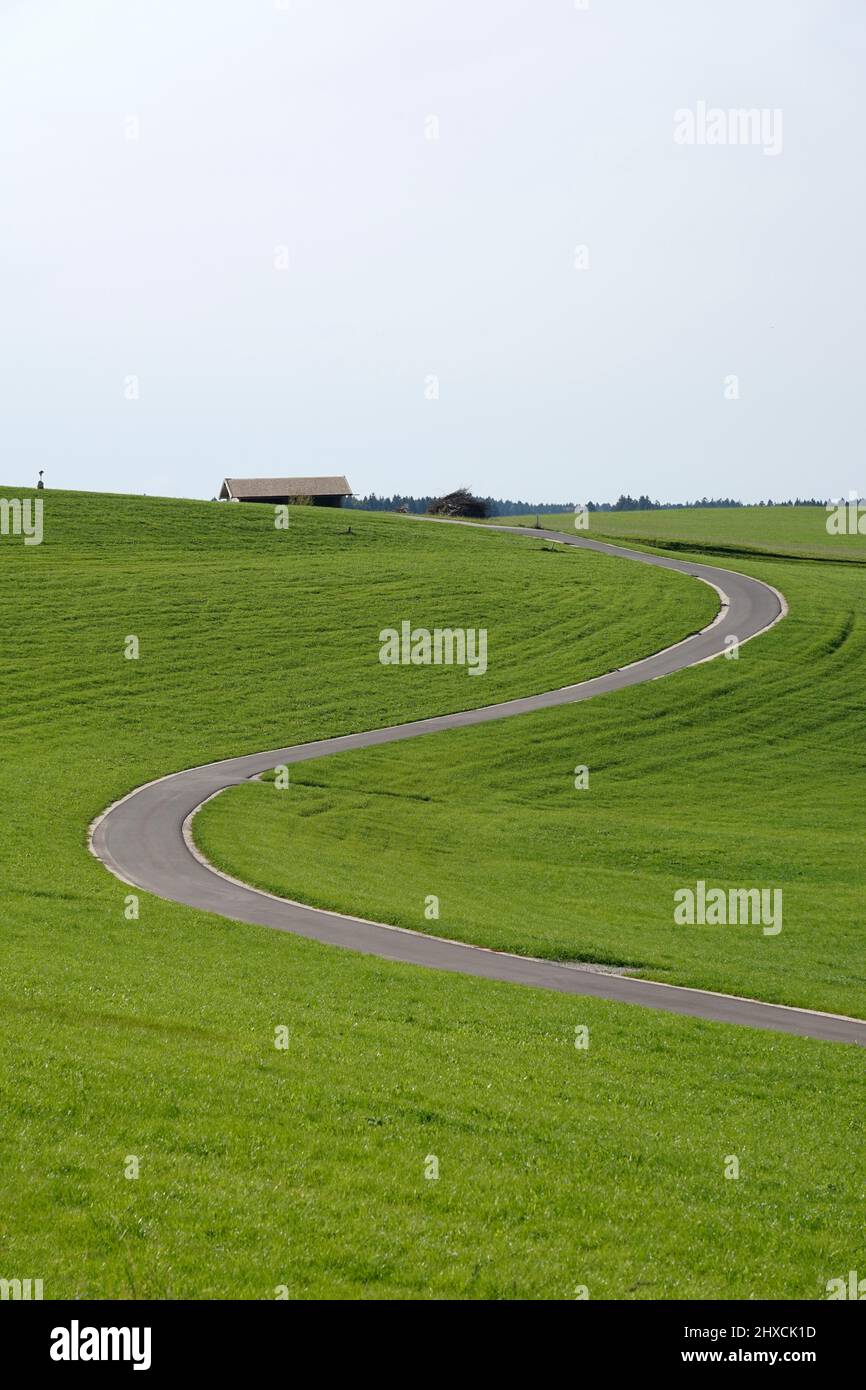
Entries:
{"x":144,"y":839}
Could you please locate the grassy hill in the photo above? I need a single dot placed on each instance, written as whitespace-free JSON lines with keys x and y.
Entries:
{"x":789,"y":532}
{"x":154,"y":1039}
{"x":740,"y":773}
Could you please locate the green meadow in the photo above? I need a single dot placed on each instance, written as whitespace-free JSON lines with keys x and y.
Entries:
{"x":790,"y":533}
{"x":740,"y":773}
{"x":304,"y":1168}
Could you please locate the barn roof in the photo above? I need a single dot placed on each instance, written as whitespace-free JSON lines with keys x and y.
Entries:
{"x":287,"y":487}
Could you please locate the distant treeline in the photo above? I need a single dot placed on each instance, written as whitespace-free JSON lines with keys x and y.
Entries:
{"x":499,"y":506}
{"x":625,"y":503}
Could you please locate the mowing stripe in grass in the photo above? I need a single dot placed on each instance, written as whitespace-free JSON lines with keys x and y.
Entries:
{"x":145,"y":838}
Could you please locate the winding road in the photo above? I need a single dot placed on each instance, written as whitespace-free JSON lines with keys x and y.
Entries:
{"x":145,"y":839}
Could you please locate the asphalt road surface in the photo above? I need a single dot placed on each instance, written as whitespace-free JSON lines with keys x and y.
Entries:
{"x":144,"y":839}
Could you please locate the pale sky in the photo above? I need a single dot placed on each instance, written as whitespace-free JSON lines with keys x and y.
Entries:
{"x":305,"y":125}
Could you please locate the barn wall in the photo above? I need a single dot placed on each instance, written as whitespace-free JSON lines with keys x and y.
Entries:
{"x":328,"y":501}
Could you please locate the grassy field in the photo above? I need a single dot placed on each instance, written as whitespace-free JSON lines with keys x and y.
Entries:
{"x":154,"y":1039}
{"x":789,"y":532}
{"x":745,"y":773}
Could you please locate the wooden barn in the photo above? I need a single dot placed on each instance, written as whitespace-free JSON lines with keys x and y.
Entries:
{"x":317,"y":492}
